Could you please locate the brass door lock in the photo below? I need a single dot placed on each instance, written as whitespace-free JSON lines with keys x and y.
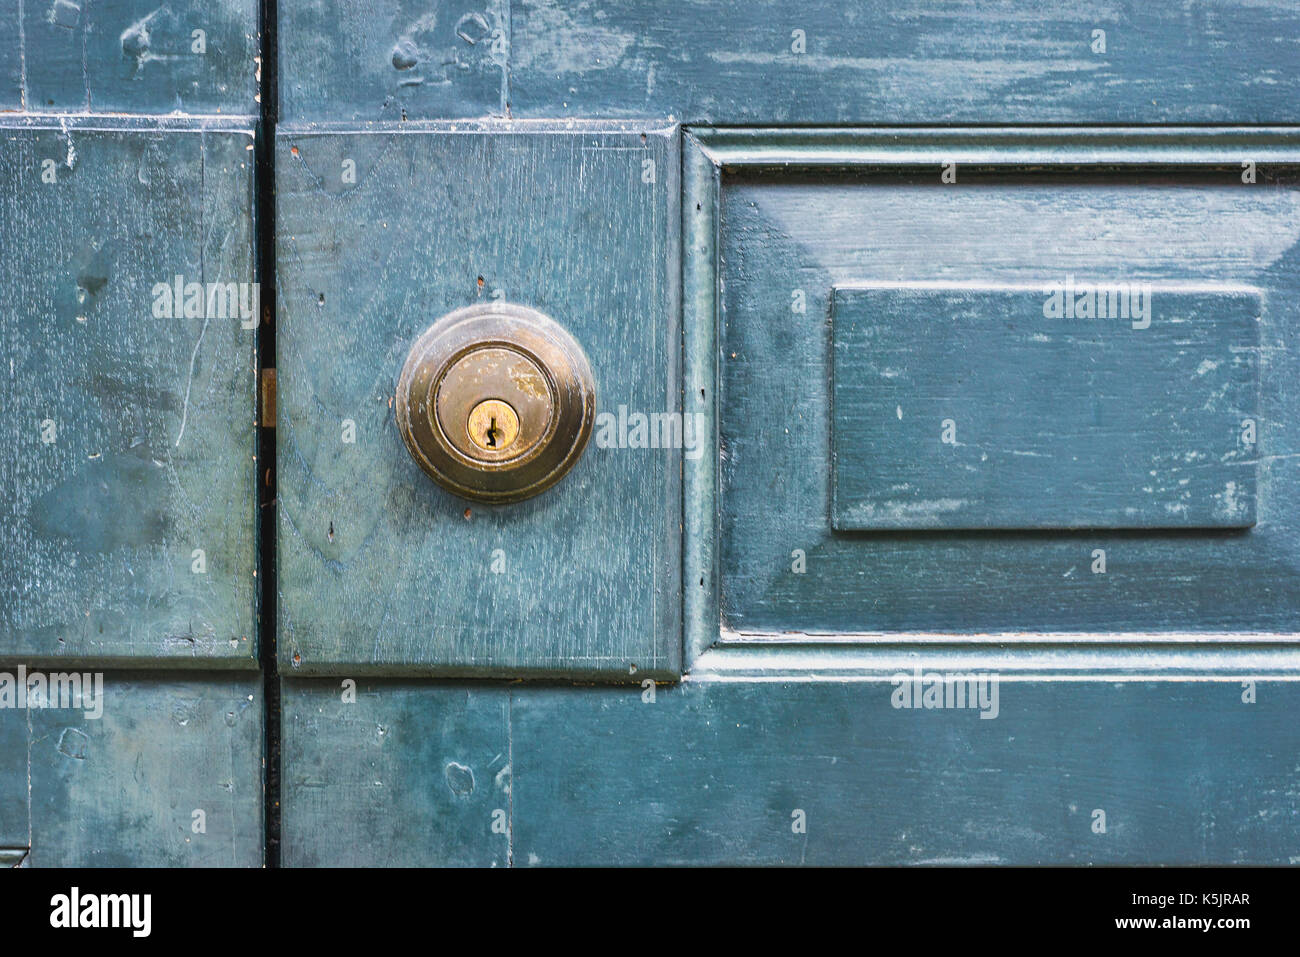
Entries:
{"x":496,"y":402}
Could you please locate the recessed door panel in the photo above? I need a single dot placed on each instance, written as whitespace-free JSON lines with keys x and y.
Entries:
{"x":951,"y":457}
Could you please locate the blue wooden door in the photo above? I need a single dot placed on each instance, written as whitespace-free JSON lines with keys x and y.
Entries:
{"x":984,"y":549}
{"x":938,"y":501}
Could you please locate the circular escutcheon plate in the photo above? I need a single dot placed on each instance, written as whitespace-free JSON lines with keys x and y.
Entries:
{"x":496,"y":402}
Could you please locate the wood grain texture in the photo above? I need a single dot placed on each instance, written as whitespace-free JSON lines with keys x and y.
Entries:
{"x":408,"y":775}
{"x":121,"y":790}
{"x":813,"y":230}
{"x":714,"y":61}
{"x":379,"y":569}
{"x":712,"y":771}
{"x":132,"y":56}
{"x":131,"y":437}
{"x":392,"y":59}
{"x":11,"y":67}
{"x":15,"y":823}
{"x":968,"y":405}
{"x":1186,"y":773}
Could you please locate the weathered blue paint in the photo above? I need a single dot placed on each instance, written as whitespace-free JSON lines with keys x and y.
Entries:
{"x":794,"y":62}
{"x":131,"y":56}
{"x":1094,"y":206}
{"x":969,"y":405}
{"x":11,"y":69}
{"x":128,"y":514}
{"x":383,"y":573}
{"x":397,"y":775}
{"x":713,"y":772}
{"x":15,"y":825}
{"x":122,"y":790}
{"x":769,"y":724}
{"x":380,"y":570}
{"x":126,"y":525}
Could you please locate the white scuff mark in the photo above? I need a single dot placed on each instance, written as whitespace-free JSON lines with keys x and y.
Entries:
{"x":1207,"y":365}
{"x":987,"y":71}
{"x":185,"y":407}
{"x":62,"y":13}
{"x":563,"y":45}
{"x":867,"y":512}
{"x":70,"y":159}
{"x":848,"y":238}
{"x":136,"y":40}
{"x":1231,"y":504}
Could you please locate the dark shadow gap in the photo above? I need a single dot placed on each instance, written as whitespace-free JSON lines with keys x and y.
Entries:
{"x":266,"y":479}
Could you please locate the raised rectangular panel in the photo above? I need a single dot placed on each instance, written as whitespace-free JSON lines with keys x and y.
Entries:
{"x":137,"y":56}
{"x":126,"y":523}
{"x":382,"y":571}
{"x":963,"y":406}
{"x":804,"y":243}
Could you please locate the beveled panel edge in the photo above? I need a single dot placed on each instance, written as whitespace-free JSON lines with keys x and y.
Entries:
{"x":651,"y":125}
{"x":701,"y":610}
{"x":1068,"y":656}
{"x":1003,"y":146}
{"x":713,"y":652}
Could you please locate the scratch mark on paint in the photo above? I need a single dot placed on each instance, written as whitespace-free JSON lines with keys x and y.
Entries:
{"x":70,"y":160}
{"x":29,"y":777}
{"x":136,"y":41}
{"x":460,"y":778}
{"x":505,"y":60}
{"x":22,"y":57}
{"x":510,"y":796}
{"x":189,"y":383}
{"x":555,"y":46}
{"x":72,"y":743}
{"x":63,"y":13}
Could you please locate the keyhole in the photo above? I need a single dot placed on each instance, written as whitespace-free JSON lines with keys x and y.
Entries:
{"x":493,"y":425}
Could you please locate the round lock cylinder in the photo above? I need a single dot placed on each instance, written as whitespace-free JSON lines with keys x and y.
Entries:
{"x":495,"y":402}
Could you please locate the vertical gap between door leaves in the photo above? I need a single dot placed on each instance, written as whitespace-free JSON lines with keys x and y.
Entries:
{"x":266,"y":478}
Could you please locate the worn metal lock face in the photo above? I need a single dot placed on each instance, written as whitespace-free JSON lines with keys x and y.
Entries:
{"x":496,"y":402}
